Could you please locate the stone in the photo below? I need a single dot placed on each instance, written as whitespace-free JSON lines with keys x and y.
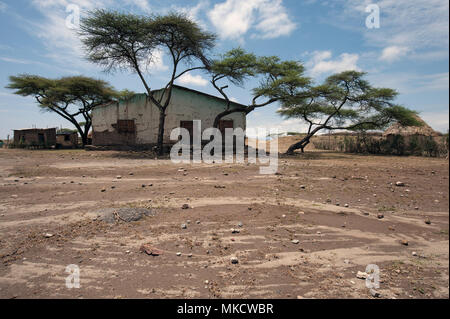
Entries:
{"x":197,"y":222}
{"x":14,"y":196}
{"x":234,"y":260}
{"x":48,"y":235}
{"x":283,"y":216}
{"x":190,"y":255}
{"x":143,"y":185}
{"x":188,"y":221}
{"x":380,"y":216}
{"x":302,"y":186}
{"x":103,"y":190}
{"x":414,"y":254}
{"x":185,"y":206}
{"x":405,"y":243}
{"x":178,"y":254}
{"x":240,"y":224}
{"x":399,"y":184}
{"x":235,"y":231}
{"x":361,"y":275}
{"x":118,"y":177}
{"x":375,"y":293}
{"x":295,"y":241}
{"x":112,"y":215}
{"x":183,"y":226}
{"x":428,"y":222}
{"x":346,"y":205}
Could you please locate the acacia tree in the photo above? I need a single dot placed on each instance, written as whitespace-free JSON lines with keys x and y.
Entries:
{"x":127,"y":41}
{"x":278,"y":79}
{"x":345,"y":101}
{"x":72,"y":98}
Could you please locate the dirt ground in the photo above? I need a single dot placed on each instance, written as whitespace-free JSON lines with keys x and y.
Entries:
{"x":329,"y":202}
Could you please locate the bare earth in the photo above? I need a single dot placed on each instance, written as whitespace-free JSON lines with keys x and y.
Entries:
{"x":60,"y":193}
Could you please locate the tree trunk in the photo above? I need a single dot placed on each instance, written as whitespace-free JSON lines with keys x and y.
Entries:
{"x":304,"y":142}
{"x":162,"y":120}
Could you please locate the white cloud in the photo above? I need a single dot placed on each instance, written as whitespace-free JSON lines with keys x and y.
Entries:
{"x":393,"y":53}
{"x":3,"y":6}
{"x":234,"y":18}
{"x":192,"y":79}
{"x":420,"y":25}
{"x":141,"y":4}
{"x":321,"y":62}
{"x":412,"y":83}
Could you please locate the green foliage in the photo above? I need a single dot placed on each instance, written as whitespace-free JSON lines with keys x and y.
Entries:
{"x":277,"y":78}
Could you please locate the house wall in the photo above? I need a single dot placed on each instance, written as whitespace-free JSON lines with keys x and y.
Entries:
{"x":31,"y":136}
{"x":185,"y":106}
{"x":71,"y":142}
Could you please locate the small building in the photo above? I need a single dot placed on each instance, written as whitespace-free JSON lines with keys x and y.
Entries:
{"x":67,"y":140}
{"x":423,"y":130}
{"x":135,"y":122}
{"x":35,"y":137}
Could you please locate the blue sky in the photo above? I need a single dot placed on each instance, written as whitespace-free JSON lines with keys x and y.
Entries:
{"x":409,"y":52}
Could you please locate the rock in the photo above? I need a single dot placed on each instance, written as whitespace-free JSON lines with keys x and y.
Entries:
{"x":240,"y":224}
{"x":295,"y":241}
{"x":190,"y":255}
{"x":428,"y":222}
{"x":48,"y":235}
{"x":346,"y":261}
{"x":399,"y":184}
{"x":143,"y":185}
{"x":178,"y":254}
{"x":380,"y":216}
{"x":206,"y":282}
{"x":301,"y":213}
{"x":405,"y":242}
{"x":235,"y":231}
{"x":197,"y":222}
{"x":302,"y":186}
{"x":185,"y":206}
{"x":346,"y":205}
{"x":183,"y":226}
{"x":103,"y":190}
{"x":188,"y":221}
{"x":361,"y":275}
{"x":365,"y":213}
{"x":414,"y":253}
{"x":112,"y":215}
{"x":234,"y":260}
{"x":375,"y":293}
{"x":131,"y":174}
{"x":150,"y":250}
{"x":283,"y":216}
{"x":14,"y":196}
{"x":118,"y":177}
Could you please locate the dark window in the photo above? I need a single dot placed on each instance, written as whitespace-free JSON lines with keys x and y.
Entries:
{"x":66,"y":137}
{"x":126,"y":126}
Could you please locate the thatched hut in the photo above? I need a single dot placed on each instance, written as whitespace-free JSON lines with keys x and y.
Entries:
{"x":406,"y":131}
